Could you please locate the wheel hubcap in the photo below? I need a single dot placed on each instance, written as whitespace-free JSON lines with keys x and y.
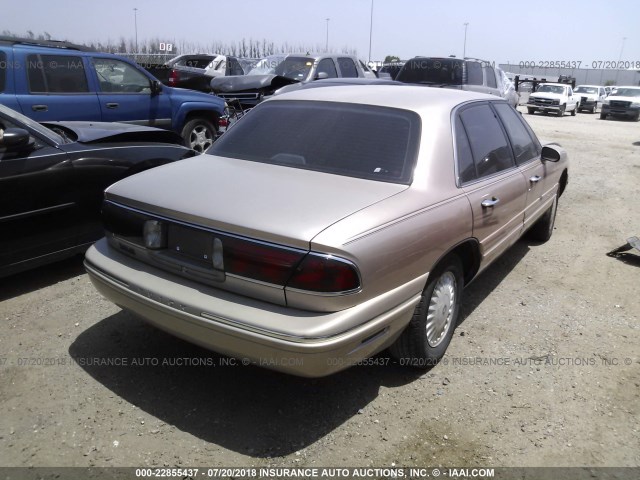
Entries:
{"x":201,"y":138}
{"x":441,"y":309}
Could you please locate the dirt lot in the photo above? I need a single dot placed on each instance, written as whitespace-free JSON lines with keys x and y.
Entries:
{"x":544,"y":369}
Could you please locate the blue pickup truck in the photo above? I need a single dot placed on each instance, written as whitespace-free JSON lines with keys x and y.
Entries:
{"x":49,"y":81}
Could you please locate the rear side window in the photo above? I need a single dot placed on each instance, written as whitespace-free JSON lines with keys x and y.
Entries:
{"x":466,"y":167}
{"x":524,"y":148}
{"x":364,"y":141}
{"x":3,"y":70}
{"x":348,"y":67}
{"x":490,"y":75}
{"x":474,"y":73}
{"x":489,"y":146}
{"x":56,"y":74}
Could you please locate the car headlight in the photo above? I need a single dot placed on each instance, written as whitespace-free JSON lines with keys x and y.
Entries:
{"x":635,"y":104}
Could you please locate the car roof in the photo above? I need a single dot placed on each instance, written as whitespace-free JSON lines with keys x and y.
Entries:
{"x":407,"y":97}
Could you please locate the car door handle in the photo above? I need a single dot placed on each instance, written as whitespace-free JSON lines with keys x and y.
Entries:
{"x":39,"y":108}
{"x":490,"y":202}
{"x":113,"y":105}
{"x":535,"y":179}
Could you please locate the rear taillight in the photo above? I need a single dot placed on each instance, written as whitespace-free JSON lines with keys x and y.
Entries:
{"x":325,"y":274}
{"x":290,"y":268}
{"x":174,"y":78}
{"x":259,"y":261}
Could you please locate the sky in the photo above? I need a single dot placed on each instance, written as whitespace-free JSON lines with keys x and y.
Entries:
{"x":516,"y":31}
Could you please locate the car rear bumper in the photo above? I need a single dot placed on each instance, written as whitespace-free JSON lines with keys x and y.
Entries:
{"x":226,"y":322}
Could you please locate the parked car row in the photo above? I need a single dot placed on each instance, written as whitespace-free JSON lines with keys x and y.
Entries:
{"x":316,"y":232}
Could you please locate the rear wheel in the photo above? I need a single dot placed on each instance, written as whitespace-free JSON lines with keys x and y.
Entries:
{"x":543,"y":228}
{"x":426,"y":338}
{"x":199,"y":134}
{"x":603,"y":116}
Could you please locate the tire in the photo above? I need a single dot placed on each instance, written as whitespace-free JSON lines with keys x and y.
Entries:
{"x":603,"y":116}
{"x":636,"y":118}
{"x":543,"y":228}
{"x":531,"y":111}
{"x":574,"y":111}
{"x":561,"y":110}
{"x":423,"y":343}
{"x":199,"y":134}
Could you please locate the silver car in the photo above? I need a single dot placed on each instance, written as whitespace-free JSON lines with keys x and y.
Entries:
{"x":330,"y":224}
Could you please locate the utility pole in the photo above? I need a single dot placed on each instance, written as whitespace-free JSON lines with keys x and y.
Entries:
{"x":370,"y":31}
{"x":326,"y":48}
{"x":135,"y":22}
{"x":464,"y":50}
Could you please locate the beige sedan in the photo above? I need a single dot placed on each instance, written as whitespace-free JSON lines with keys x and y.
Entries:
{"x":330,"y":224}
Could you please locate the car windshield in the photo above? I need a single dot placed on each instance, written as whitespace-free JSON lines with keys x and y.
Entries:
{"x":586,"y":90}
{"x":364,"y":141}
{"x":45,"y":132}
{"x":551,"y":89}
{"x":626,"y":92}
{"x":432,"y":71}
{"x":295,"y":68}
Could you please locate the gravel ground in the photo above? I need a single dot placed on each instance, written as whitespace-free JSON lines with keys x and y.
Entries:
{"x":544,"y":369}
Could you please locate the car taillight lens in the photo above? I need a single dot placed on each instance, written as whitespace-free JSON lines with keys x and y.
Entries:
{"x":325,"y":274}
{"x":174,"y":78}
{"x":258,"y":261}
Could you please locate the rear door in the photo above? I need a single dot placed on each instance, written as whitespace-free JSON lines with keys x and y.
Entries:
{"x":55,"y":87}
{"x":527,"y":153}
{"x":490,"y":178}
{"x":124,"y":94}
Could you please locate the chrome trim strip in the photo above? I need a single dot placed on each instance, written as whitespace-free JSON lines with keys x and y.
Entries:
{"x":31,"y":213}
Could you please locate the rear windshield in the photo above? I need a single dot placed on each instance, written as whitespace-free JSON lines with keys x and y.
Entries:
{"x":364,"y":141}
{"x":432,"y":71}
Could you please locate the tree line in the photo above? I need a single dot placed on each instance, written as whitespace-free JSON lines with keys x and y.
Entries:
{"x":250,"y":48}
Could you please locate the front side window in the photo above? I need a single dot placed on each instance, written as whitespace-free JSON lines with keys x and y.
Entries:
{"x":489,"y":146}
{"x":363,"y":141}
{"x":327,"y":66}
{"x":347,"y":67}
{"x":523,"y":145}
{"x":116,"y":76}
{"x":56,"y":74}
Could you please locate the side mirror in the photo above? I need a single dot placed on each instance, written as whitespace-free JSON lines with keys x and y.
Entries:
{"x":322,"y":76}
{"x":15,"y":138}
{"x":551,"y":153}
{"x":156,"y":87}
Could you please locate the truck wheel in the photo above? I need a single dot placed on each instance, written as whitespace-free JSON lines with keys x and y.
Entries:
{"x":543,"y":228}
{"x":575,"y":110}
{"x":561,"y":110}
{"x":603,"y":116}
{"x":426,"y":338}
{"x":531,"y":110}
{"x":199,"y":134}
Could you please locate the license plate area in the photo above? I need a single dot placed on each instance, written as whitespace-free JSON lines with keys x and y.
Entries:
{"x":191,"y":244}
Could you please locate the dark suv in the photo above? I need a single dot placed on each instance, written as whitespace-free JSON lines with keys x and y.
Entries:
{"x":49,"y":81}
{"x":449,"y":72}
